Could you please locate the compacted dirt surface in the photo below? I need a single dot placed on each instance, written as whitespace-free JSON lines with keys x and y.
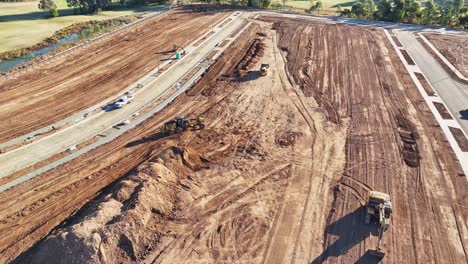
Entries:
{"x":453,"y":47}
{"x":90,"y":75}
{"x":280,"y":173}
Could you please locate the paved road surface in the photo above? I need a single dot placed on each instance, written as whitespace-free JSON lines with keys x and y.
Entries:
{"x":453,"y":93}
{"x":30,"y":154}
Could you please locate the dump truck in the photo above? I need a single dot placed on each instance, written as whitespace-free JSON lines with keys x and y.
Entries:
{"x":182,"y":123}
{"x":264,"y":69}
{"x":379,"y":210}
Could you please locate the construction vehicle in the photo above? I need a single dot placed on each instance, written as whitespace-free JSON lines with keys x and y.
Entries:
{"x":264,"y":69}
{"x":182,"y":123}
{"x":379,"y":210}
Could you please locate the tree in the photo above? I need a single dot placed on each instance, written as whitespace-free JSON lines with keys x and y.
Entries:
{"x":316,"y":6}
{"x":412,"y":10}
{"x":346,"y":12}
{"x":258,"y":3}
{"x":447,"y":14}
{"x":89,"y":6}
{"x":370,"y":7}
{"x":363,"y":9}
{"x":457,"y":5}
{"x":384,"y":11}
{"x":398,"y":10}
{"x":358,"y":9}
{"x":49,"y":6}
{"x":338,"y":9}
{"x":431,"y":13}
{"x":463,"y":21}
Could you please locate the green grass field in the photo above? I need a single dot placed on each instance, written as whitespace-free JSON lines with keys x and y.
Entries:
{"x":327,"y":4}
{"x":23,"y":24}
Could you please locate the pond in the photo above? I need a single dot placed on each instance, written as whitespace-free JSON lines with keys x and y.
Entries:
{"x":6,"y":65}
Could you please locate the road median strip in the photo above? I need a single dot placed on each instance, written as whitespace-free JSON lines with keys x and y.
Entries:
{"x":138,"y":120}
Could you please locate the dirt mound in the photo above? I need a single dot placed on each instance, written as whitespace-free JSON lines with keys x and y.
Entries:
{"x":251,"y":58}
{"x":286,"y":138}
{"x":408,"y":137}
{"x":124,"y":224}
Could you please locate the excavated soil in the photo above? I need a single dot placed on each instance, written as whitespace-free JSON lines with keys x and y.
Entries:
{"x":460,"y":137}
{"x":442,"y":110}
{"x":427,"y":87}
{"x":453,"y":47}
{"x":280,"y":173}
{"x":58,"y":89}
{"x":407,"y":57}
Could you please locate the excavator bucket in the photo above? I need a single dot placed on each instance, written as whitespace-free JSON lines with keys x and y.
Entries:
{"x":378,"y":253}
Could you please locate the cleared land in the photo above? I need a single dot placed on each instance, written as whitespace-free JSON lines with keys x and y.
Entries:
{"x":24,"y":25}
{"x":453,"y":47}
{"x":64,"y":86}
{"x":279,"y":174}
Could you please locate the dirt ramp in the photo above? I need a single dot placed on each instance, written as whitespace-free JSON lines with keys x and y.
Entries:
{"x":125,"y":223}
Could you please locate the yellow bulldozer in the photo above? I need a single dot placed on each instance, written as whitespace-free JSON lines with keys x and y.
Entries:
{"x":182,"y":123}
{"x":264,"y":69}
{"x":379,"y":210}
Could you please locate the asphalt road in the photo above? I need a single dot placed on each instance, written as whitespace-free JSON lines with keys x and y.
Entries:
{"x":453,"y":93}
{"x":42,"y":149}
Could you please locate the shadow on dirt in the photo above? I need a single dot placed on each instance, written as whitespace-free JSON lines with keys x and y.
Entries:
{"x":367,"y":258}
{"x":464,"y":114}
{"x":250,"y":76}
{"x":351,"y":230}
{"x":153,"y":137}
{"x":165,"y":52}
{"x":167,"y":59}
{"x":109,"y":108}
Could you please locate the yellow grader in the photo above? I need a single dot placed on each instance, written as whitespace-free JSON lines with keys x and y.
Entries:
{"x":181,"y":123}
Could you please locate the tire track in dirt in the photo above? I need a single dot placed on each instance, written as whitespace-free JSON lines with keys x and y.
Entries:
{"x":95,"y":73}
{"x":380,"y":101}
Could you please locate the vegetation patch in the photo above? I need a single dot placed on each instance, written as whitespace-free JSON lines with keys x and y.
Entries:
{"x":83,"y":29}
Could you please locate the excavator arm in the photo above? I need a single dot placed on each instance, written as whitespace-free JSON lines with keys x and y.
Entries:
{"x":383,"y":224}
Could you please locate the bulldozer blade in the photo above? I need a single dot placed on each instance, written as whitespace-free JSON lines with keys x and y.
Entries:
{"x":376,"y":253}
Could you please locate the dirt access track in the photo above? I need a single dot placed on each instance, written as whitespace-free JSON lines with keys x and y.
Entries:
{"x":280,"y":173}
{"x":90,"y":75}
{"x":453,"y":47}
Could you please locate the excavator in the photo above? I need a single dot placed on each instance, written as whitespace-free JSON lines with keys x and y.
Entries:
{"x":379,"y":210}
{"x":264,"y":69}
{"x":182,"y":123}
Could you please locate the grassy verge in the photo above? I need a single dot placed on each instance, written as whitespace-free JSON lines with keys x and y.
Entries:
{"x":23,"y":25}
{"x":329,"y":6}
{"x":84,"y":30}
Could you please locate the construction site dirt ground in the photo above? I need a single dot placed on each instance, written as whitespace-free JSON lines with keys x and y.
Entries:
{"x":60,"y":88}
{"x":453,"y":47}
{"x":280,"y":173}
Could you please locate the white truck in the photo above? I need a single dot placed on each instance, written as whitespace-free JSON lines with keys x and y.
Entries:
{"x":122,"y":101}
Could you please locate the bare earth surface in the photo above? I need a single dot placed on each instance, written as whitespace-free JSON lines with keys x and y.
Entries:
{"x":95,"y":73}
{"x":453,"y":47}
{"x":279,"y":174}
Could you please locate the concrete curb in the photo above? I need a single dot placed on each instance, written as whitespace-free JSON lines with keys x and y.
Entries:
{"x":444,"y":124}
{"x":145,"y":80}
{"x":136,"y":122}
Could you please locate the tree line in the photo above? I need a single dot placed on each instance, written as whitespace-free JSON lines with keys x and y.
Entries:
{"x":452,"y":13}
{"x":91,"y":6}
